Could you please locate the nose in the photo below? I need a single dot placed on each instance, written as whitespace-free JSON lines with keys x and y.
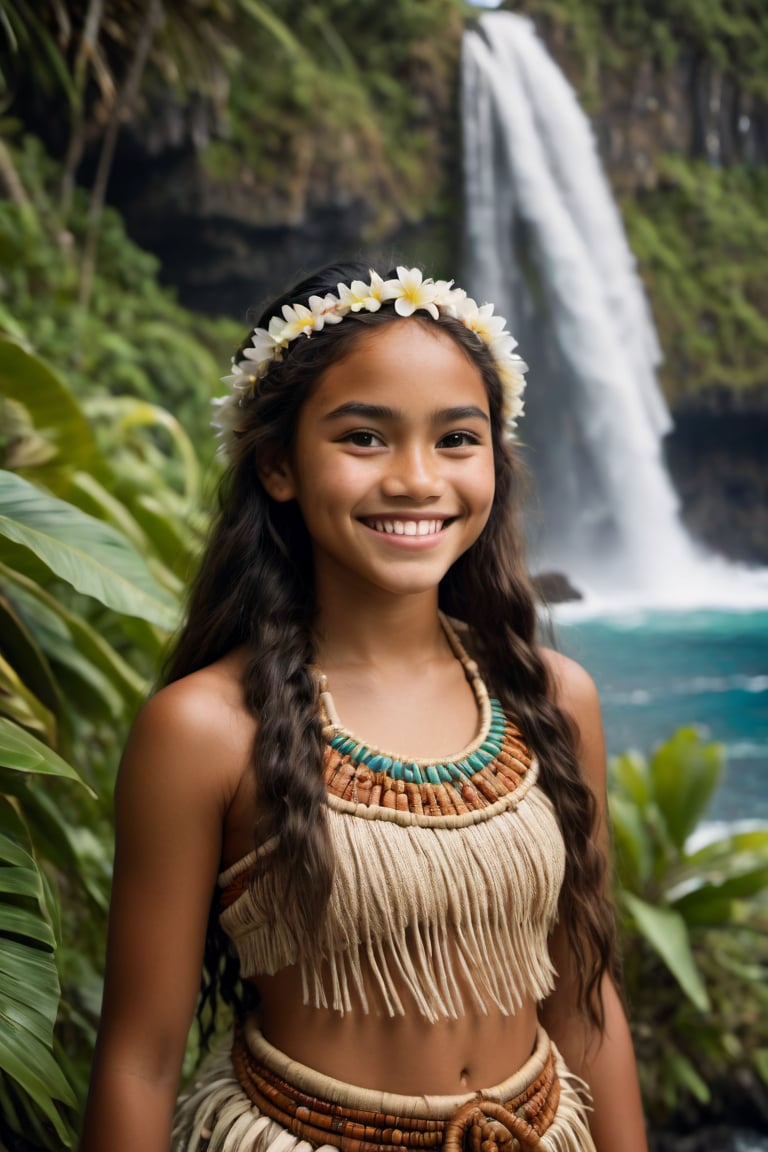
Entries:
{"x":414,"y":473}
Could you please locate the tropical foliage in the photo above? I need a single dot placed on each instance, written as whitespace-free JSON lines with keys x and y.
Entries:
{"x":90,"y":559}
{"x":695,"y":925}
{"x":100,"y":521}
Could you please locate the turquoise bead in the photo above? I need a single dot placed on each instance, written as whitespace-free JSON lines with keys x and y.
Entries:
{"x":417,"y":776}
{"x":477,"y":762}
{"x":407,"y":770}
{"x":432,"y":775}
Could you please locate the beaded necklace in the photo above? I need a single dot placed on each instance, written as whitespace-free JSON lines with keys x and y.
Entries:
{"x":490,"y":767}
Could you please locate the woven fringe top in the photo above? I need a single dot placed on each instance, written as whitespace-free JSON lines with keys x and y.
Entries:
{"x":446,"y":884}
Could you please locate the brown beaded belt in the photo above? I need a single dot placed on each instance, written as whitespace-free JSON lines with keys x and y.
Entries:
{"x":478,"y":1124}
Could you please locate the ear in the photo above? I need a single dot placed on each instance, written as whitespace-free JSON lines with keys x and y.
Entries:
{"x":276,"y":476}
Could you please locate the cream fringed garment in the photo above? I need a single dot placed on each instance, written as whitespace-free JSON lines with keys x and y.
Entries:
{"x":446,"y":883}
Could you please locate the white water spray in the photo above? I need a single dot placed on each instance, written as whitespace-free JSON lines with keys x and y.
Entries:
{"x":545,"y":242}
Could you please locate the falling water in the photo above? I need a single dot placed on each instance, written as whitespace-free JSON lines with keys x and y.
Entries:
{"x":546,"y":242}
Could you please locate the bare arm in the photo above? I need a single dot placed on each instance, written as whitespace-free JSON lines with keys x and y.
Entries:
{"x":606,"y":1062}
{"x":172,"y":792}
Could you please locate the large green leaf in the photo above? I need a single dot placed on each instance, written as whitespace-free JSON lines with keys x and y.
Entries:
{"x":54,"y":410}
{"x":725,"y":853}
{"x":710,"y":903}
{"x":21,"y":752}
{"x":685,"y":772}
{"x":32,"y":1066}
{"x":78,"y":644}
{"x":22,"y":650}
{"x":665,"y":931}
{"x":21,"y":705}
{"x":632,"y":849}
{"x":88,"y":554}
{"x":630,"y":772}
{"x":29,"y":982}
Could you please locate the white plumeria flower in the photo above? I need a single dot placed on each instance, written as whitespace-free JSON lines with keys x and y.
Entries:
{"x":480,"y":319}
{"x":412,"y":293}
{"x":325,"y":308}
{"x":225,"y":420}
{"x":447,"y":297}
{"x":279,"y":332}
{"x":359,"y":296}
{"x":299,"y":321}
{"x":265,"y":349}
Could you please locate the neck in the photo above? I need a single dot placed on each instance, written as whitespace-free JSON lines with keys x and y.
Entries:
{"x":395,"y":631}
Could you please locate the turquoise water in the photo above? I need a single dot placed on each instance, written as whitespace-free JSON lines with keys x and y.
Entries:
{"x":658,"y":671}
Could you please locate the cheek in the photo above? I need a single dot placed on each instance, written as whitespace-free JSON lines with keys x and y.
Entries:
{"x":484,"y":487}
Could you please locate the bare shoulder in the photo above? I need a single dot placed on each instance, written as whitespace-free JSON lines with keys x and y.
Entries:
{"x":573,"y":688}
{"x":575,"y":693}
{"x":194,"y":734}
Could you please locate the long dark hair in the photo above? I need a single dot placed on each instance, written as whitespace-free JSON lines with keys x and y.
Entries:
{"x":255,"y":589}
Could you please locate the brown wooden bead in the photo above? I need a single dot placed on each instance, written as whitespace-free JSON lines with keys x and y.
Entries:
{"x":414,"y":798}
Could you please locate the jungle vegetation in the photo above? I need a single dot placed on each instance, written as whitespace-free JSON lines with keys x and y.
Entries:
{"x":106,"y":472}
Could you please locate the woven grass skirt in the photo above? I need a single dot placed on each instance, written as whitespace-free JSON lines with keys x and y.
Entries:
{"x":256,"y":1099}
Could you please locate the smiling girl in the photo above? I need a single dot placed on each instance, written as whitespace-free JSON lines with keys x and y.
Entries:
{"x":367,"y":804}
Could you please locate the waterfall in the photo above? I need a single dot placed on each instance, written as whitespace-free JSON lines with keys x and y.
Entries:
{"x":545,"y":242}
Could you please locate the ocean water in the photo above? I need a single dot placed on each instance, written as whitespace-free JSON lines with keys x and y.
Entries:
{"x":657,"y":671}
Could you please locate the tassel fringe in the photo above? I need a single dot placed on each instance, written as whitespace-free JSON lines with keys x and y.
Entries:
{"x":425,"y":914}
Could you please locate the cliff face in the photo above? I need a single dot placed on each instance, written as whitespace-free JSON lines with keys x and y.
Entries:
{"x":227,"y":237}
{"x":717,"y":458}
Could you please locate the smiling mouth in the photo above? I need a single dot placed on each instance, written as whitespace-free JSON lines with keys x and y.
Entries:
{"x":392,"y":527}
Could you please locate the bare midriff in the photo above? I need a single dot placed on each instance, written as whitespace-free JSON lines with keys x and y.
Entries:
{"x":402,"y":1054}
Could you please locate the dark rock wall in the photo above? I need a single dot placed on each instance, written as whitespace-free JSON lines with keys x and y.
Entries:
{"x":717,"y":456}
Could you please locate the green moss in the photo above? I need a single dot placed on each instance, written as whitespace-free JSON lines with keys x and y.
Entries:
{"x":136,"y":338}
{"x":367,"y":108}
{"x":701,"y":239}
{"x":611,"y":35}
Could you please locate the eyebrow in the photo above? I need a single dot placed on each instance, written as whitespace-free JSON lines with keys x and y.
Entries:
{"x":382,"y":412}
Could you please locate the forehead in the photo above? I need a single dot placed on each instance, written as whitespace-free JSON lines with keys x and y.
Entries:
{"x":407,"y":361}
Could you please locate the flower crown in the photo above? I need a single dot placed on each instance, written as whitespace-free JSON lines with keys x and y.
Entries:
{"x":410,"y":293}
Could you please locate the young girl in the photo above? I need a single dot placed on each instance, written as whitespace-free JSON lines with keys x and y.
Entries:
{"x":400,"y":795}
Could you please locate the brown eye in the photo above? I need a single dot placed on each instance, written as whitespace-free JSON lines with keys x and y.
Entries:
{"x":457,"y":440}
{"x":362,"y":439}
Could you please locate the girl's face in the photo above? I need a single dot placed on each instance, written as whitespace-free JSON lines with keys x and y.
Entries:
{"x":392,"y":463}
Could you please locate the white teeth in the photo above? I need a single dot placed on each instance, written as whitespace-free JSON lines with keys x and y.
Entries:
{"x":408,"y":527}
